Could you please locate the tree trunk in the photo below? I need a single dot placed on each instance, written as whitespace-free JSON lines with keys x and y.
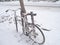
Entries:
{"x":24,"y":25}
{"x":22,"y":6}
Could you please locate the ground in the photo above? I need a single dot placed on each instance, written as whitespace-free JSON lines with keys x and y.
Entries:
{"x":47,"y":17}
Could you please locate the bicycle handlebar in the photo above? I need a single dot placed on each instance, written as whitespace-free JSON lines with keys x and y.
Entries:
{"x":31,"y":13}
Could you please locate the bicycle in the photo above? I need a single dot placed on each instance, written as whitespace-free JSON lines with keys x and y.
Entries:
{"x":30,"y":29}
{"x":15,"y":17}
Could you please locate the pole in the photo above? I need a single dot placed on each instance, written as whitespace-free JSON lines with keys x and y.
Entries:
{"x":15,"y":20}
{"x":24,"y":25}
{"x":22,"y":6}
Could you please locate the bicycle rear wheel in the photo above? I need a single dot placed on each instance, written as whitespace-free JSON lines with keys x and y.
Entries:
{"x":39,"y":35}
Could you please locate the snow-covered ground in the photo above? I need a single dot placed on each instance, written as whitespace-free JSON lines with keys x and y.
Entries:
{"x":47,"y":17}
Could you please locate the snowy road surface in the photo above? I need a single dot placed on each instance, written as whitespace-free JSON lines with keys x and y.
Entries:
{"x":46,"y":17}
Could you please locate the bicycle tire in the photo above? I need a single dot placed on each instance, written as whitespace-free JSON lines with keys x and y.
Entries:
{"x":41,"y":34}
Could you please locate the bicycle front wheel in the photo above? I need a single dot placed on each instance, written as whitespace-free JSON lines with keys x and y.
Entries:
{"x":39,"y":35}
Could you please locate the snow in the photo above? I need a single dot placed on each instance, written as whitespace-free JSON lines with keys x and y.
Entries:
{"x":47,"y":17}
{"x":41,"y":3}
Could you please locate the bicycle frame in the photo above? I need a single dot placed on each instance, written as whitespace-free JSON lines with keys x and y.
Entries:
{"x":23,"y":13}
{"x":25,"y":23}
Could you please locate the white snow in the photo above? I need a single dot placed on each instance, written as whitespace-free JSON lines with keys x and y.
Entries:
{"x":41,"y":3}
{"x":47,"y":17}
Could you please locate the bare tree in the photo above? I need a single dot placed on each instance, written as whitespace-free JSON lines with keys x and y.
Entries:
{"x":22,"y":6}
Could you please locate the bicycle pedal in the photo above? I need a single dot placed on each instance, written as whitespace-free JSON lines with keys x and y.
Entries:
{"x":34,"y":36}
{"x":27,"y":34}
